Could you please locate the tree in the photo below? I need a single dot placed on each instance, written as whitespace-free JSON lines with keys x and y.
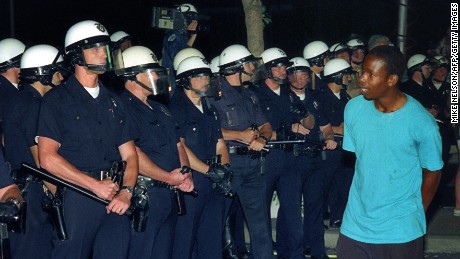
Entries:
{"x":254,"y":26}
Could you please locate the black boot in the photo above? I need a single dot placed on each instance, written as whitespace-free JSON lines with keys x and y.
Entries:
{"x":229,"y":250}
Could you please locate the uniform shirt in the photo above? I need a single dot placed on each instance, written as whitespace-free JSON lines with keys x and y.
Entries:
{"x":333,"y":107}
{"x":7,"y":91}
{"x":276,"y":107}
{"x":20,"y":124}
{"x":89,"y":130}
{"x":238,"y":107}
{"x":418,"y":92}
{"x":315,"y":108}
{"x":439,"y":98}
{"x":5,"y":177}
{"x":153,"y":130}
{"x":173,"y":42}
{"x":200,"y":130}
{"x":385,"y":203}
{"x":320,"y":85}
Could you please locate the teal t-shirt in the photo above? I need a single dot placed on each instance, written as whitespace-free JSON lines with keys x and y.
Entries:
{"x":385,"y":201}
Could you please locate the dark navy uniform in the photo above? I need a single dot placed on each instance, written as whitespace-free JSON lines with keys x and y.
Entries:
{"x":199,"y":231}
{"x":173,"y":42}
{"x":338,"y":173}
{"x":239,"y":109}
{"x":309,"y":164}
{"x":89,"y":131}
{"x":5,"y":178}
{"x":154,"y":132}
{"x":281,"y":174}
{"x":20,"y":125}
{"x":7,"y":91}
{"x":319,"y":84}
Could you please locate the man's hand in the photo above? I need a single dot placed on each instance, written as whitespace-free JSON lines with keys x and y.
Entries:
{"x":176,"y":177}
{"x":249,"y":135}
{"x":187,"y":185}
{"x":106,"y":189}
{"x":120,"y":203}
{"x":257,"y":144}
{"x":192,"y":26}
{"x":299,"y":128}
{"x":330,"y":144}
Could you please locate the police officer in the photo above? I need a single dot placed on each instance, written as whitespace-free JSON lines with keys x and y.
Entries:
{"x":339,"y":50}
{"x":10,"y":56}
{"x":176,"y":40}
{"x":358,"y":52}
{"x":316,"y":53}
{"x":419,"y":70}
{"x":161,"y":154}
{"x":243,"y":120}
{"x":199,"y":231}
{"x":309,"y":161}
{"x":121,"y":40}
{"x":338,"y":175}
{"x":281,"y":174}
{"x":9,"y":191}
{"x":83,"y":129}
{"x":39,"y":72}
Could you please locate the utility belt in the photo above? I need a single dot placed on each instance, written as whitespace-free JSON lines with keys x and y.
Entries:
{"x":21,"y":177}
{"x":244,"y":151}
{"x":99,"y":174}
{"x":307,"y":150}
{"x":145,"y":182}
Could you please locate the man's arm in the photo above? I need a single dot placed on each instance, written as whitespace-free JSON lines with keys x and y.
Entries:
{"x":328,"y":136}
{"x":430,"y":183}
{"x":51,"y":161}
{"x":195,"y":163}
{"x":221,"y":149}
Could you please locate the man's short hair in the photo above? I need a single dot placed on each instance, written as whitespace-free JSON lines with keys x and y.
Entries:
{"x":393,"y":59}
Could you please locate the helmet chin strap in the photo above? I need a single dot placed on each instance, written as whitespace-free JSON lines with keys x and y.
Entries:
{"x":142,"y":85}
{"x":279,"y":80}
{"x":298,"y":88}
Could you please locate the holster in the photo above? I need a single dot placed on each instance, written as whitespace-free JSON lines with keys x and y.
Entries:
{"x":54,"y":206}
{"x":140,"y":201}
{"x":179,"y":196}
{"x":19,"y":226}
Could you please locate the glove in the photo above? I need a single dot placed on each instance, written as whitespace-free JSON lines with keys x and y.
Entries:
{"x":216,"y":173}
{"x":221,"y":178}
{"x":298,"y":110}
{"x":8,"y":212}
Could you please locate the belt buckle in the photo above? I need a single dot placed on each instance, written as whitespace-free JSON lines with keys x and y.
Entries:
{"x":104,"y":175}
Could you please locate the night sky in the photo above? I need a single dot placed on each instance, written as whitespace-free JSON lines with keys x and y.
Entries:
{"x":294,"y":22}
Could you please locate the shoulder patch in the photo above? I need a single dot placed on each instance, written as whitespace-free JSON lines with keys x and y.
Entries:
{"x":172,"y":37}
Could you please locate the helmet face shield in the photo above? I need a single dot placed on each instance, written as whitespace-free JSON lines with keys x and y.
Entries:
{"x":97,"y":57}
{"x":155,"y":79}
{"x":255,"y":69}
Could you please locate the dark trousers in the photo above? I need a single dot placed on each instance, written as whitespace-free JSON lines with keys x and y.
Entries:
{"x":199,"y":231}
{"x":250,"y":186}
{"x":91,"y":231}
{"x":282,"y":176}
{"x":157,"y":239}
{"x":337,"y":182}
{"x":37,"y":239}
{"x":312,"y":191}
{"x":348,"y":248}
{"x":235,"y":214}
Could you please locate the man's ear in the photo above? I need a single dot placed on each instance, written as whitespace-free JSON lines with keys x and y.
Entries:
{"x":393,"y":80}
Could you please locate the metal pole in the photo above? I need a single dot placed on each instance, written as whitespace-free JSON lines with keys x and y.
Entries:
{"x":402,"y":28}
{"x":12,"y":25}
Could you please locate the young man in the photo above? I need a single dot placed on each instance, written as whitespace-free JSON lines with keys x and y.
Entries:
{"x":398,"y":150}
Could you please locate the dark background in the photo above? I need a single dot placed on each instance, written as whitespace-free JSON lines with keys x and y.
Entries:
{"x":294,"y":22}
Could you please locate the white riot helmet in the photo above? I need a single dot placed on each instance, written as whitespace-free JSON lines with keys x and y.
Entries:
{"x":298,"y":64}
{"x":194,"y":67}
{"x":416,"y":62}
{"x":275,"y":57}
{"x":214,"y":65}
{"x":335,"y":70}
{"x":439,"y":61}
{"x":184,"y":8}
{"x":234,"y":57}
{"x":141,"y":60}
{"x":87,"y":35}
{"x":10,"y":53}
{"x":185,"y":53}
{"x":315,"y":52}
{"x":118,"y":38}
{"x":337,"y":48}
{"x":355,"y":44}
{"x":39,"y":63}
